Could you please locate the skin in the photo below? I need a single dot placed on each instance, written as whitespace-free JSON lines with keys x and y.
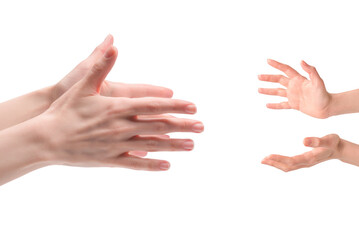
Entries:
{"x":83,"y":128}
{"x":311,"y":97}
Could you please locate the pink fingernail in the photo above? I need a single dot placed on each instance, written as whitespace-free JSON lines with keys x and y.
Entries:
{"x":164,"y":166}
{"x":188,"y":145}
{"x":198,"y":127}
{"x":191,"y":109}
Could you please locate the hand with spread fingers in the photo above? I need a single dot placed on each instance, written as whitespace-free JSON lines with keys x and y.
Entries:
{"x":308,"y":96}
{"x":84,"y":128}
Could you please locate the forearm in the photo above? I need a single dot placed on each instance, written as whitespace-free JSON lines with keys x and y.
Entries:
{"x":25,"y":107}
{"x":346,"y":102}
{"x":348,"y":152}
{"x":22,"y":150}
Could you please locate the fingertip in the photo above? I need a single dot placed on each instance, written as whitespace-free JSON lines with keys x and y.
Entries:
{"x":169,"y":93}
{"x":164,"y":165}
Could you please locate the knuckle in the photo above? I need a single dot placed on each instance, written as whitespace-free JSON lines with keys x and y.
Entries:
{"x":153,"y":107}
{"x":152,"y":144}
{"x":96,"y":68}
{"x":162,"y":126}
{"x":135,"y":165}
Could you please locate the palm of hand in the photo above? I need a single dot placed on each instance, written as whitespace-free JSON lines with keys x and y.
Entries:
{"x":304,"y":96}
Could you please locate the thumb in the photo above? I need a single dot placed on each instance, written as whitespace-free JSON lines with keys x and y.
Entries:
{"x":312,"y":71}
{"x":312,"y":142}
{"x":326,"y":141}
{"x":97,"y":74}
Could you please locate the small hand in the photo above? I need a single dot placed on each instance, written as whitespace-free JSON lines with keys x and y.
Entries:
{"x":307,"y":96}
{"x":110,"y":89}
{"x":87,"y":129}
{"x":324,"y":148}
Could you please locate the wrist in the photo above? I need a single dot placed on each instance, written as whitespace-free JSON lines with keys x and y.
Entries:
{"x":334,"y":104}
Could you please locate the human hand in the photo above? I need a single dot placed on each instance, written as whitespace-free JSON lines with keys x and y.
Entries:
{"x":325,"y":148}
{"x":308,"y":96}
{"x":88,"y":129}
{"x":111,"y":89}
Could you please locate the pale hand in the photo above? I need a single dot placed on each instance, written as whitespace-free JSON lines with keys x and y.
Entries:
{"x":88,"y":129}
{"x":324,"y":149}
{"x":307,"y":96}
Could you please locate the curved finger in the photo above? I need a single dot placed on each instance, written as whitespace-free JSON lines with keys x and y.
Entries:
{"x":326,"y":141}
{"x":273,"y":91}
{"x":155,"y":106}
{"x":101,"y":48}
{"x":155,"y":144}
{"x":274,"y":78}
{"x":277,"y":161}
{"x":312,"y":71}
{"x":282,"y":105}
{"x":137,"y":163}
{"x":162,"y":126}
{"x":289,"y":71}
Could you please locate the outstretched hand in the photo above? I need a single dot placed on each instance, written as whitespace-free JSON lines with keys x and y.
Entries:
{"x":324,"y":149}
{"x":88,"y":129}
{"x":308,"y":96}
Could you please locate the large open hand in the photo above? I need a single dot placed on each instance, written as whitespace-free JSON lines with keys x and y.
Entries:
{"x":112,"y":89}
{"x":87,"y":129}
{"x":307,"y":96}
{"x":324,"y":148}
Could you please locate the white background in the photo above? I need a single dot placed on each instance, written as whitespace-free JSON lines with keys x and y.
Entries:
{"x":208,"y":52}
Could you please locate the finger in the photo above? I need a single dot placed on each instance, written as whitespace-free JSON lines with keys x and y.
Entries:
{"x":137,"y":163}
{"x":99,"y":71}
{"x":138,"y":90}
{"x":163,"y":126}
{"x":282,"y":105}
{"x":155,"y":106}
{"x":312,"y":71}
{"x":274,"y":78}
{"x":100,"y":49}
{"x":311,"y":142}
{"x":138,"y":153}
{"x":326,"y":141}
{"x":273,"y":91}
{"x":155,"y":144}
{"x":290,"y":72}
{"x":277,"y":164}
{"x":151,"y":117}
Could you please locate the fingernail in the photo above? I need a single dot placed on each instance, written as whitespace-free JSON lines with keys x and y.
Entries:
{"x":191,"y":109}
{"x":164,"y":166}
{"x":109,"y":52}
{"x":188,"y":145}
{"x":198,"y":127}
{"x":309,"y":141}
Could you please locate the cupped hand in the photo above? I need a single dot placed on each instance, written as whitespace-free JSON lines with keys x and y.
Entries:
{"x":307,"y":96}
{"x":111,"y":89}
{"x":324,"y":149}
{"x":84,"y":128}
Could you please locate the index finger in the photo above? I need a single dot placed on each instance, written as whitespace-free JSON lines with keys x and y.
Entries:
{"x":289,"y":71}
